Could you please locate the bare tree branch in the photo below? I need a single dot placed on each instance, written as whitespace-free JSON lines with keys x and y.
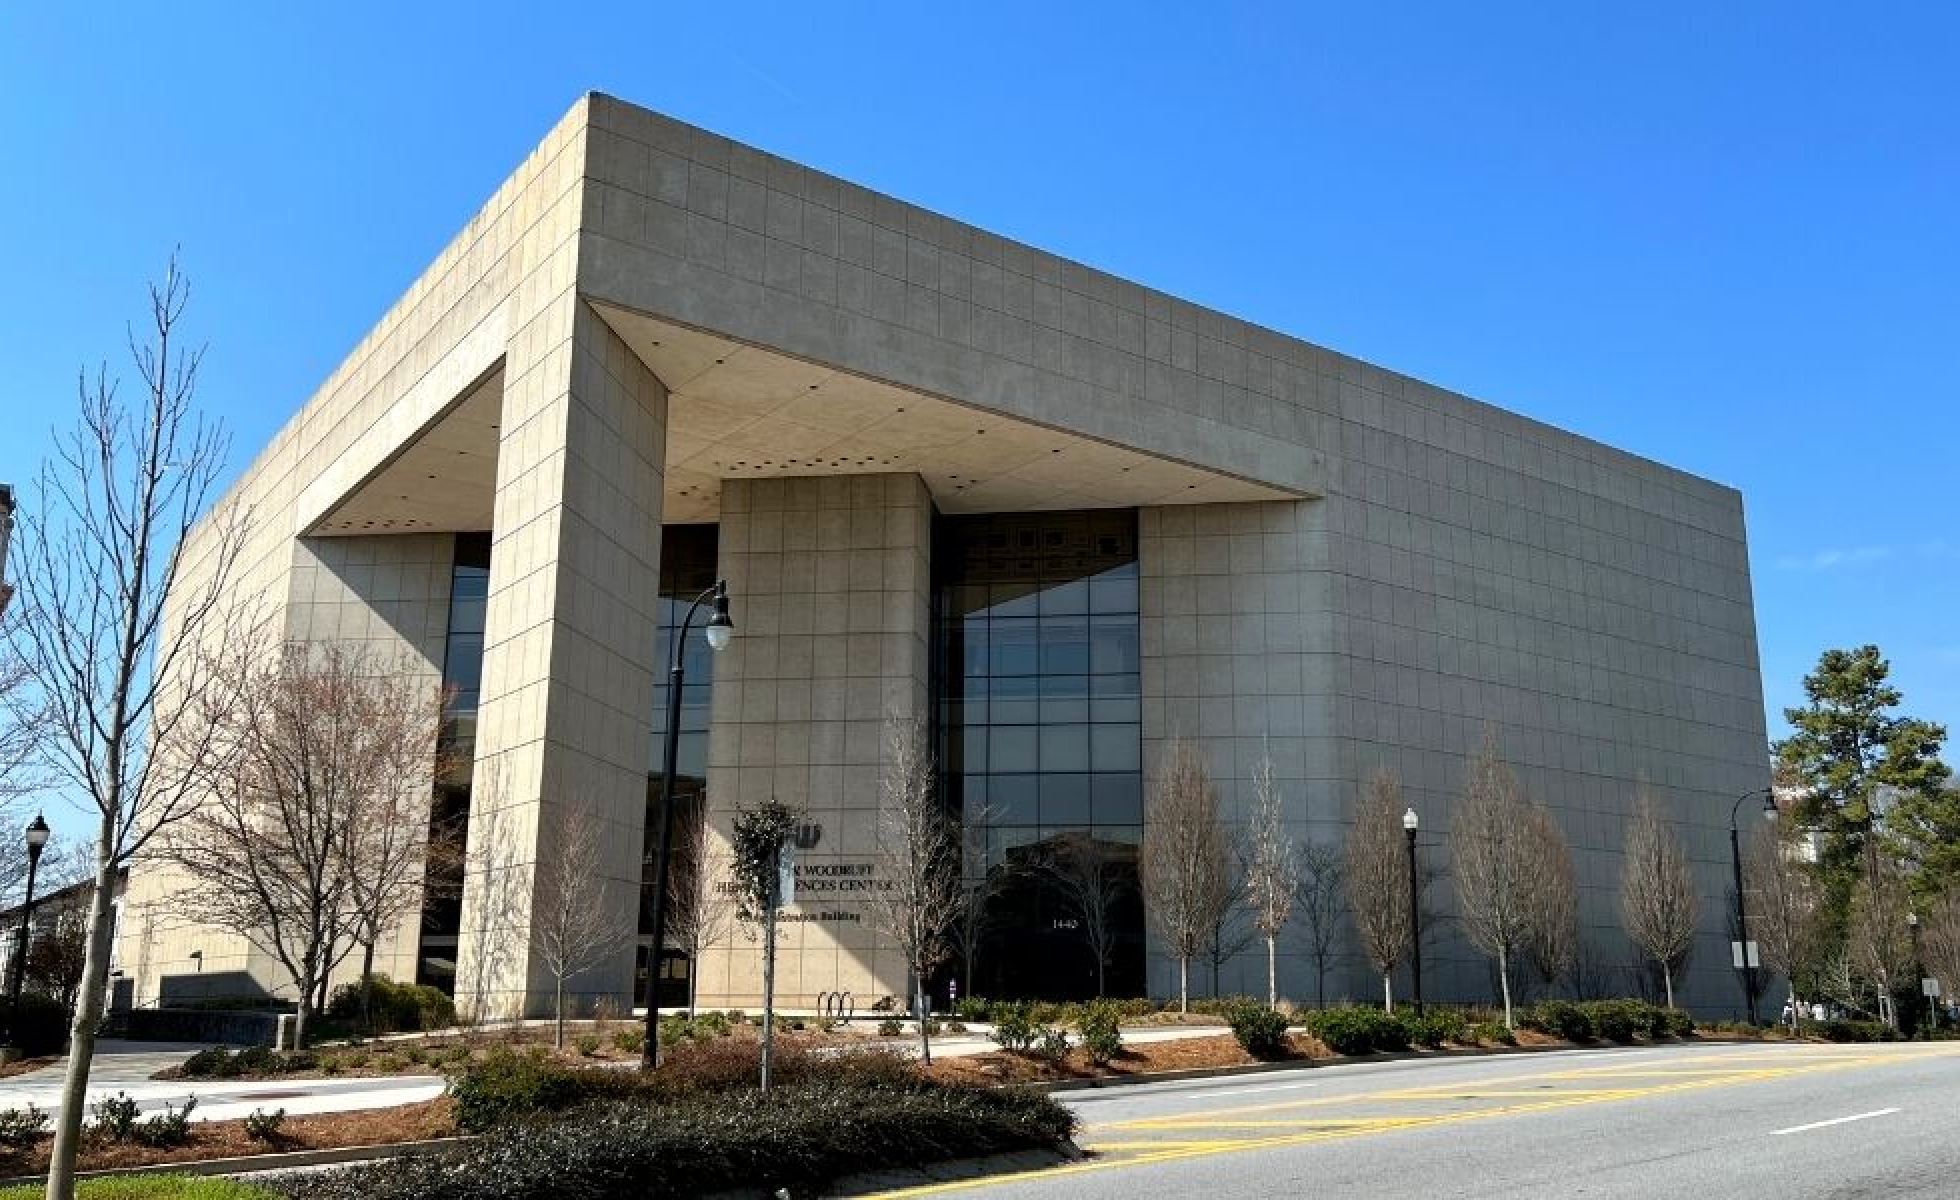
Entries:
{"x":1786,"y":910}
{"x":1272,"y":869}
{"x":1322,"y":904}
{"x":1185,"y":861}
{"x":1378,"y":880}
{"x":574,"y":926}
{"x":1495,"y":839}
{"x":118,"y":608}
{"x":919,"y":853}
{"x":700,"y":910}
{"x":1085,"y":874}
{"x":1657,"y":891}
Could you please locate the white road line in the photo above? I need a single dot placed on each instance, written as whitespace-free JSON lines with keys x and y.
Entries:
{"x":1883,"y":1112}
{"x":1276,"y":1087}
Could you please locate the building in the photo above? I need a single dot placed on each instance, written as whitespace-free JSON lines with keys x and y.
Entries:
{"x":1059,"y":515}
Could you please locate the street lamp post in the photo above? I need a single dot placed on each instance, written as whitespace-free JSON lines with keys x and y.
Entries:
{"x":36,"y":837}
{"x":1409,"y":823}
{"x":1924,"y":1006}
{"x":718,"y":630}
{"x":1741,"y":910}
{"x":6,"y":536}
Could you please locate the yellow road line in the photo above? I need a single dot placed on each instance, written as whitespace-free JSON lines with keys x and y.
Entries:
{"x":1321,"y":1132}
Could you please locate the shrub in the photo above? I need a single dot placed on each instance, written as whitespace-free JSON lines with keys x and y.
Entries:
{"x":20,"y":1126}
{"x":171,"y":1127}
{"x":1261,"y":1032}
{"x":263,"y":1126}
{"x":713,"y":1024}
{"x":1858,"y":1031}
{"x":1355,"y":1029}
{"x":40,"y":1027}
{"x":503,"y":1086}
{"x":1014,"y":1027}
{"x":1675,"y":1023}
{"x":798,"y":1138}
{"x":387,"y":1061}
{"x":974,"y":1008}
{"x":1102,"y":1035}
{"x":890,"y":1027}
{"x":207,"y":1063}
{"x":394,"y":1007}
{"x":587,"y":1044}
{"x":1560,"y":1019}
{"x":1493,"y":1031}
{"x":1437,"y":1026}
{"x":1617,"y":1020}
{"x":115,"y":1117}
{"x":630,"y":1041}
{"x":1050,"y":1045}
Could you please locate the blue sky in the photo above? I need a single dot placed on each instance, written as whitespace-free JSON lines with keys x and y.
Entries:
{"x":1722,"y":236}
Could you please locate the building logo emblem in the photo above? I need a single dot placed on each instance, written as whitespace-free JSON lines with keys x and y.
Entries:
{"x":807,"y":835}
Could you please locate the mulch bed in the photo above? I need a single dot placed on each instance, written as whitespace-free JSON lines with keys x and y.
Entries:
{"x":227,"y":1139}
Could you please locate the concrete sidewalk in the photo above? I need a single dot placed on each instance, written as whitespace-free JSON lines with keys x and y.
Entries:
{"x":127,"y":1066}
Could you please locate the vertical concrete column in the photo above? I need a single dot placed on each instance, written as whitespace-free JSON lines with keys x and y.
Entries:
{"x":568,"y":657}
{"x":830,"y":579}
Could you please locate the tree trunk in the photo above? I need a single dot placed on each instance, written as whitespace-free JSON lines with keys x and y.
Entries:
{"x":1504,"y":981}
{"x":367,"y":987}
{"x":1272,"y":975}
{"x":558,"y":1013}
{"x":1388,"y":992}
{"x":1667,"y":978}
{"x":299,"y":1020}
{"x":692,"y":989}
{"x":1184,"y":985}
{"x":923,"y":1011}
{"x":88,"y":1014}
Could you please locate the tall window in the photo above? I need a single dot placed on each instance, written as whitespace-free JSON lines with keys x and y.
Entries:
{"x":687,"y":568}
{"x":462,"y":680}
{"x":1039,"y":723}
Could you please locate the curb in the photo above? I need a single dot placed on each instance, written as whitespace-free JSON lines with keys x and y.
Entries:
{"x":1196,"y":1073}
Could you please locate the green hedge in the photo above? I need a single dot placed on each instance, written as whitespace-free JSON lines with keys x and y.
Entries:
{"x":395,"y":1007}
{"x":1356,"y":1029}
{"x":1858,"y":1031}
{"x":1260,"y":1031}
{"x":1619,"y":1020}
{"x":41,"y":1027}
{"x":505,"y":1087}
{"x":799,"y":1137}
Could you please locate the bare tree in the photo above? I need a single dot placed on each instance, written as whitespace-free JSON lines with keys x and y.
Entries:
{"x":1231,"y":929}
{"x":1185,"y":861}
{"x":23,"y":724}
{"x":1940,"y":941}
{"x":394,"y":857}
{"x":1087,"y":880}
{"x":575,"y":925}
{"x":1323,"y":886}
{"x":494,"y":885}
{"x":103,"y":551}
{"x":1272,"y":869}
{"x":1377,"y":877}
{"x":1553,"y":944}
{"x":1878,"y":941}
{"x":919,"y":856}
{"x":57,"y":958}
{"x":1786,"y":910}
{"x":980,"y":883}
{"x":700,"y":911}
{"x":1498,"y":875}
{"x":1657,"y":891}
{"x":312,"y":843}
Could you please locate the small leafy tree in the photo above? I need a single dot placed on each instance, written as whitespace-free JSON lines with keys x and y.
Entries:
{"x":757,"y":840}
{"x":1657,"y":891}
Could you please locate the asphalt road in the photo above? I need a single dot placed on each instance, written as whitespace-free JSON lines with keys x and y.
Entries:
{"x":1711,"y":1122}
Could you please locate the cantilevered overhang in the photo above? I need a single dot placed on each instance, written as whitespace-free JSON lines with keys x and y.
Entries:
{"x":737,"y":411}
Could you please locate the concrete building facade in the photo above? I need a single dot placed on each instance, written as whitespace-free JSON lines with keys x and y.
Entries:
{"x":1059,"y":516}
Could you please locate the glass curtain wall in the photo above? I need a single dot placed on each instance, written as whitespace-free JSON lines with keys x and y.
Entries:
{"x":462,"y":680}
{"x":1039,"y":736}
{"x":687,"y":568}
